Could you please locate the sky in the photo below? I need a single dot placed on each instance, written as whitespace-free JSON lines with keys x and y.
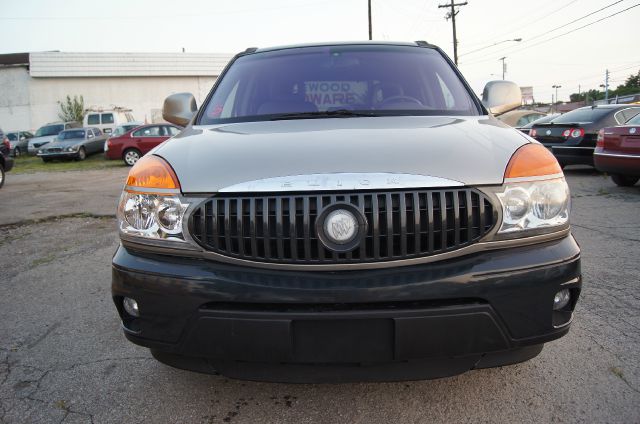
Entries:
{"x":554,"y":49}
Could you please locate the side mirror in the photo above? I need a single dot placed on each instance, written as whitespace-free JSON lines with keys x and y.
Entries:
{"x":90,"y":136}
{"x":179,"y":108}
{"x":501,"y":96}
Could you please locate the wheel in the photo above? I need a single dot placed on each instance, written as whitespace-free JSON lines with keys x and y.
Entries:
{"x":1,"y":175}
{"x":82,"y":154}
{"x":131,"y":156}
{"x":16,"y":152}
{"x":46,"y":159}
{"x":624,"y":180}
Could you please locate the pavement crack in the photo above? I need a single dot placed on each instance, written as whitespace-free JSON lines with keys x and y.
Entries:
{"x":44,"y":336}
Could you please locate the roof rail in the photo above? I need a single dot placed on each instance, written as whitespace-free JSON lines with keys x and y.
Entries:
{"x":423,"y":43}
{"x":250,"y":50}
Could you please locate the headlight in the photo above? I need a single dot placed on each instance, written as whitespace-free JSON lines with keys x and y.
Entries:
{"x":72,"y":149}
{"x":40,"y":151}
{"x":151,"y":215}
{"x":151,"y":206}
{"x":531,"y":205}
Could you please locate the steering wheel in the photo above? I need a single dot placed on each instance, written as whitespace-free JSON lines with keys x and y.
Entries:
{"x":400,"y":99}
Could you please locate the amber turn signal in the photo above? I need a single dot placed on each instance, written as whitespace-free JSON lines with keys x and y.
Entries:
{"x":151,"y":172}
{"x":532,"y":160}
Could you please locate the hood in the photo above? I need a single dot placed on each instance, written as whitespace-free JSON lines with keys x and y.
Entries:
{"x":42,"y":140}
{"x":65,"y":143}
{"x":471,"y":150}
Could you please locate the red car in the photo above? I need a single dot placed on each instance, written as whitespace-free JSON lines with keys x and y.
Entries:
{"x":135,"y":143}
{"x":618,"y":152}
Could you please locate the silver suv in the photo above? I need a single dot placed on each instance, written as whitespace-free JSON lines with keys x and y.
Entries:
{"x":343,"y":212}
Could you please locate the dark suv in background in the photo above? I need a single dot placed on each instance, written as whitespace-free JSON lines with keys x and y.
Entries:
{"x":572,"y":137}
{"x":6,"y":161}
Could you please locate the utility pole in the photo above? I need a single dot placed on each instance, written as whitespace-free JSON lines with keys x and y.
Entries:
{"x":504,"y":66}
{"x":452,"y":14}
{"x":606,"y":86}
{"x":370,"y":28}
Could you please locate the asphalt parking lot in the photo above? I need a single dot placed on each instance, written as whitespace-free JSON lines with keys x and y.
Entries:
{"x":63,"y":357}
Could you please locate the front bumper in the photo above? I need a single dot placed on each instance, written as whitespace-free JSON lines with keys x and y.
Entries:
{"x":425,"y":321}
{"x":58,"y":155}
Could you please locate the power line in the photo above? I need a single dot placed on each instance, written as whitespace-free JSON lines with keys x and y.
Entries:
{"x":531,"y":22}
{"x":563,"y":34}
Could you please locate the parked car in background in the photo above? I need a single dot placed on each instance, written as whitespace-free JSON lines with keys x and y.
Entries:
{"x":6,"y":161}
{"x":618,"y":152}
{"x":19,"y":141}
{"x":134,"y":144}
{"x":47,"y":133}
{"x":107,"y":120}
{"x":74,"y":144}
{"x":519,"y":118}
{"x":572,"y":137}
{"x":527,"y":128}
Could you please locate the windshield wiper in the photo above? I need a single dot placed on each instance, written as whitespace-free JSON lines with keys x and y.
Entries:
{"x":340,"y":113}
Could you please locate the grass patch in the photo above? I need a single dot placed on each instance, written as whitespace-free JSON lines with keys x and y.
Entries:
{"x":30,"y":164}
{"x":43,"y":261}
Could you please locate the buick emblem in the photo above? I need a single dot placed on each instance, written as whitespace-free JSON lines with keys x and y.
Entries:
{"x":341,"y":226}
{"x":548,"y":132}
{"x":632,"y":130}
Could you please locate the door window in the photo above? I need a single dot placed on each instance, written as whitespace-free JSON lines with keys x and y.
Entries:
{"x":107,"y":118}
{"x":173,"y":131}
{"x":93,"y":119}
{"x":148,"y":132}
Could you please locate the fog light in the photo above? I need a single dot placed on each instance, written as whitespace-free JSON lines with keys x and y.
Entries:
{"x":131,"y":307}
{"x":560,"y":300}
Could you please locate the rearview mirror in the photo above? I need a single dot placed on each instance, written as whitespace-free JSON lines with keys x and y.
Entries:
{"x":179,"y":108}
{"x":501,"y":96}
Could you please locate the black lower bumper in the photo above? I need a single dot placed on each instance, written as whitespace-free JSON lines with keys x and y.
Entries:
{"x":427,"y":321}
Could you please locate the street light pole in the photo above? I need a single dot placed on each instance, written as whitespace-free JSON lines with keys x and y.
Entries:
{"x":370,"y":28}
{"x":556,"y":87}
{"x":504,"y":66}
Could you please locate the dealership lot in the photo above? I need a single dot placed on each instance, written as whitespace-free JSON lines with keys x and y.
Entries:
{"x":63,"y":357}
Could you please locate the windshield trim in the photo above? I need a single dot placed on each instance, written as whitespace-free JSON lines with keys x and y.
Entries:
{"x":480,"y":109}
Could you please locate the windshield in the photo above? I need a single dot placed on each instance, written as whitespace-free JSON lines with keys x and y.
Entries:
{"x":585,"y":115}
{"x":68,"y":135}
{"x":49,"y":130}
{"x":378,"y":80}
{"x":12,"y":136}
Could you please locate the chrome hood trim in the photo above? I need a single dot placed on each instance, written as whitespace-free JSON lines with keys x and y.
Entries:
{"x":340,"y":181}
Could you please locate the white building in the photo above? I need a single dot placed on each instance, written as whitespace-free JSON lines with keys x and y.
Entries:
{"x":33,"y":84}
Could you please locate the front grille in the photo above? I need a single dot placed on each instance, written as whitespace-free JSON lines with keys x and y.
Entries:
{"x":401,"y":225}
{"x":54,"y":150}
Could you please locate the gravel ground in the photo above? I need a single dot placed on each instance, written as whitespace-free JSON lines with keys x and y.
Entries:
{"x":63,"y":357}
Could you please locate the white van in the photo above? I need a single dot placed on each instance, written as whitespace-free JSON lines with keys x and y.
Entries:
{"x":107,"y":119}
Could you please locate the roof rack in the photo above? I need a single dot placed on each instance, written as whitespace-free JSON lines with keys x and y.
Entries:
{"x":423,"y":43}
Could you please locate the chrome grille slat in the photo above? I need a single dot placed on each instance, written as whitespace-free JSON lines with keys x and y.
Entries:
{"x":281,"y":228}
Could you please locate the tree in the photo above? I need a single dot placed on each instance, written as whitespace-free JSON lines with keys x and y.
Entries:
{"x":630,"y":86}
{"x":72,"y":109}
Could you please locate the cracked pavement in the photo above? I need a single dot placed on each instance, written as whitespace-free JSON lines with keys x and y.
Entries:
{"x":63,"y":358}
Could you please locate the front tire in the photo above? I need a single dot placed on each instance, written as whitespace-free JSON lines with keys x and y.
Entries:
{"x":82,"y":154}
{"x":1,"y":175}
{"x":16,"y":152}
{"x":624,"y":180}
{"x":131,"y":156}
{"x":46,"y":160}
